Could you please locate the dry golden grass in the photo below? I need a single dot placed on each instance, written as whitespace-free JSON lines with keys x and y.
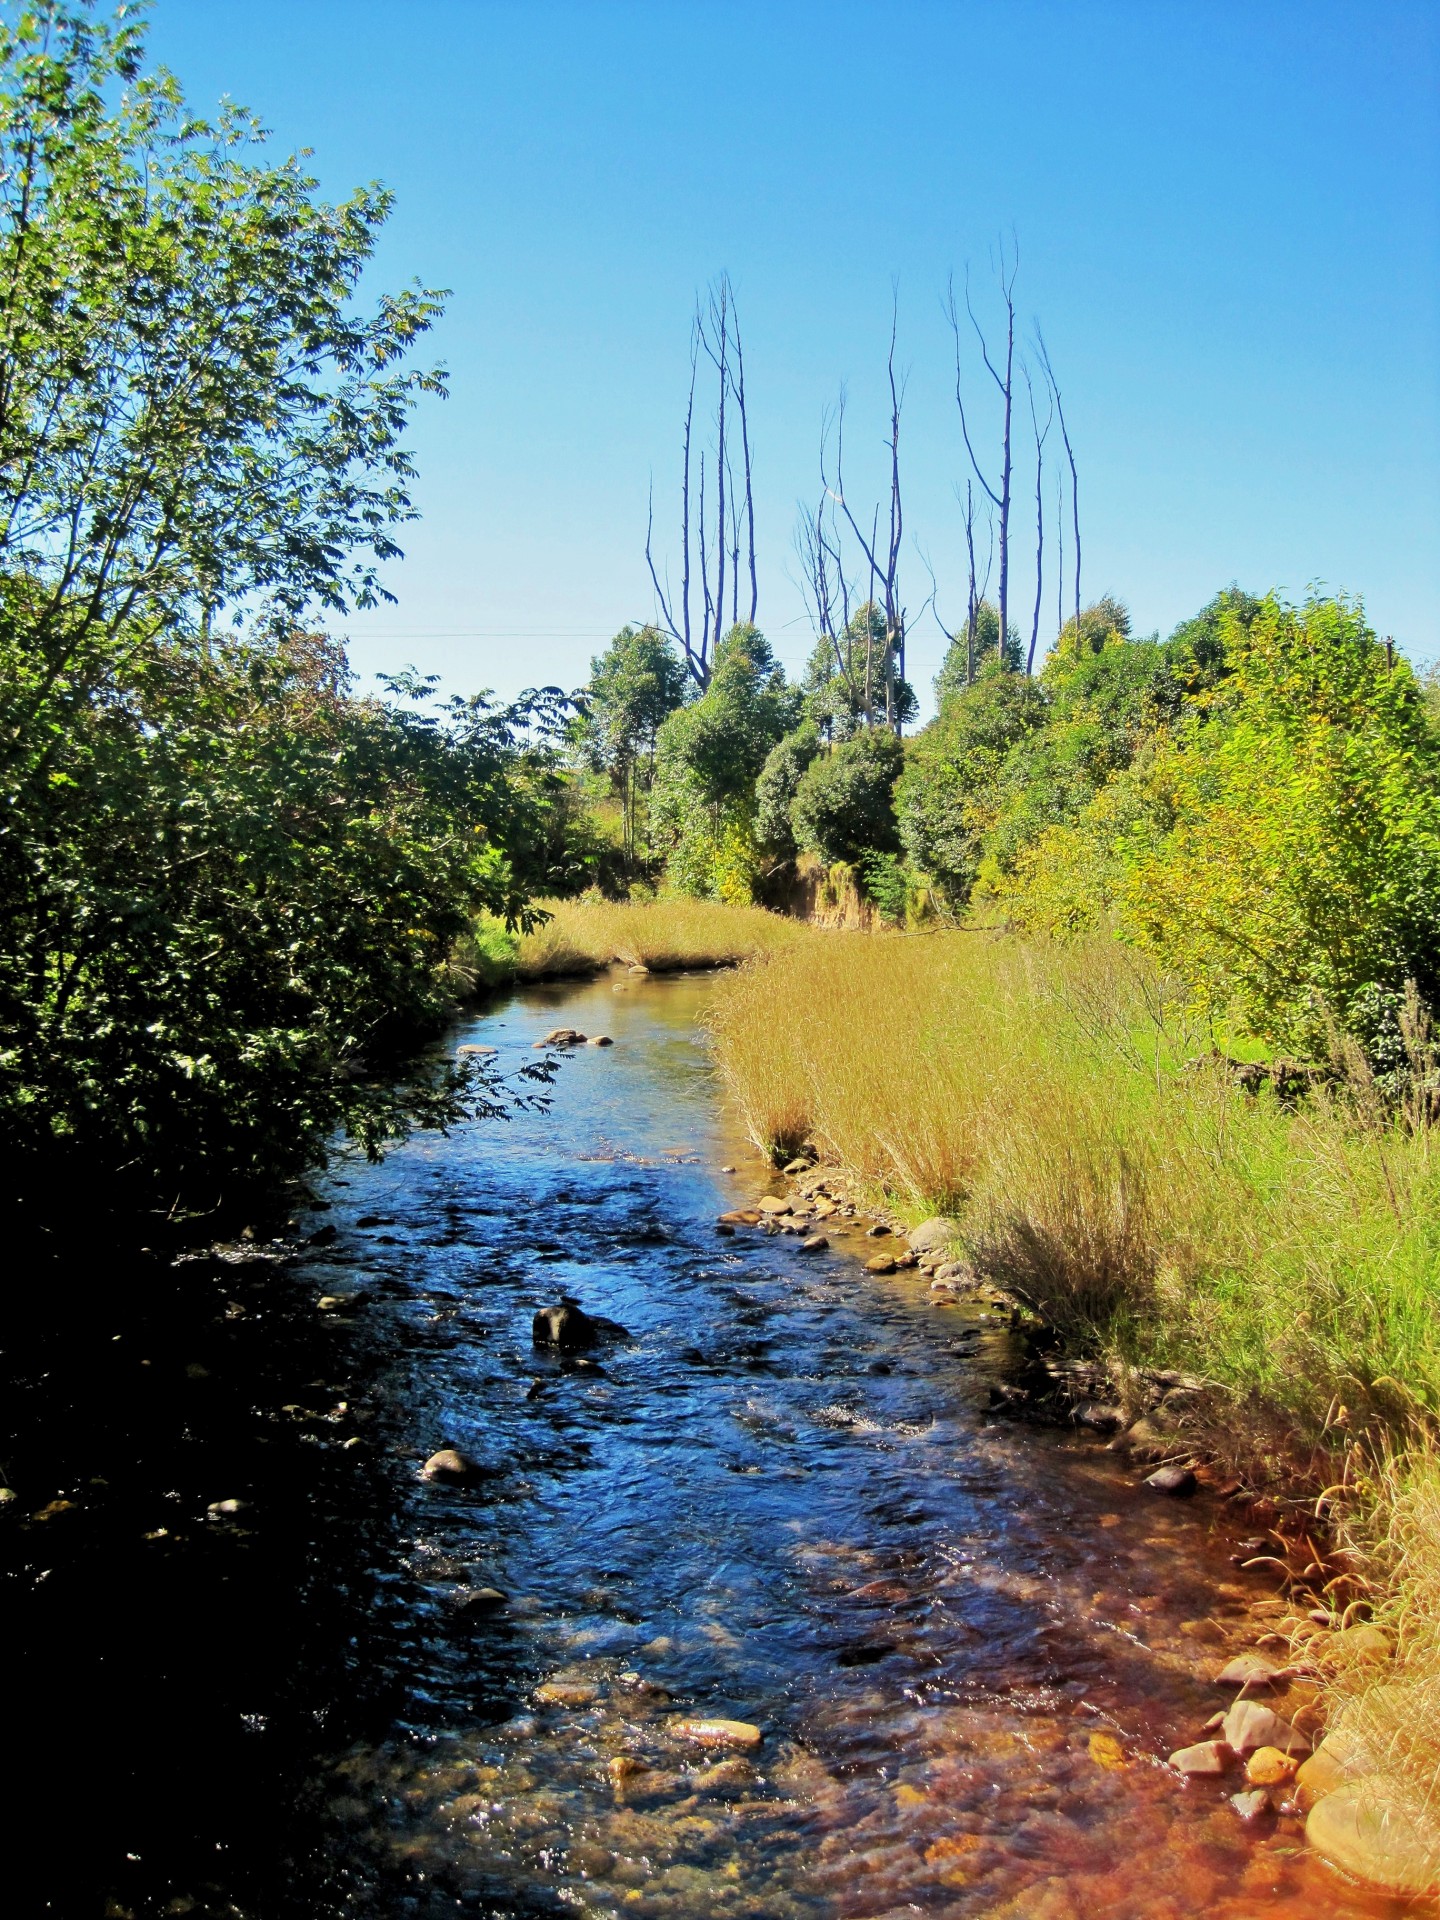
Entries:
{"x":1387,"y":1709}
{"x":1148,"y":1208}
{"x":1044,"y":1095}
{"x":663,"y":935}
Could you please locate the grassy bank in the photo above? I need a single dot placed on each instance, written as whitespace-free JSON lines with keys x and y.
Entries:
{"x":1105,"y":1169}
{"x":583,"y":936}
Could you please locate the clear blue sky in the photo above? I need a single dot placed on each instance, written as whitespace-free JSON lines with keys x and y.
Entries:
{"x":1229,"y":221}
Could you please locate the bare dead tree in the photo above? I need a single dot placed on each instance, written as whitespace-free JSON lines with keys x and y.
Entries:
{"x":1054,"y":385}
{"x":745,"y":454}
{"x":972,"y":608}
{"x":1042,"y":434}
{"x":1060,"y":557}
{"x":1005,"y":274}
{"x":718,"y":349}
{"x":844,"y":619}
{"x":715,"y":331}
{"x":883,"y":562}
{"x":708,"y":603}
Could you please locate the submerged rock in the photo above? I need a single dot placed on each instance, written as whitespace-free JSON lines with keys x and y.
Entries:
{"x":566,"y":1693}
{"x":1206,"y":1756}
{"x":1337,"y":1761}
{"x":567,"y":1327}
{"x":1177,"y":1480}
{"x":718,"y":1733}
{"x":562,"y":1037}
{"x":1248,"y":1725}
{"x":814,"y":1243}
{"x":1251,"y":1805}
{"x":881,"y":1263}
{"x":477,"y":1599}
{"x":1269,"y":1767}
{"x":1363,"y":1642}
{"x":1248,"y":1670}
{"x":1099,"y":1418}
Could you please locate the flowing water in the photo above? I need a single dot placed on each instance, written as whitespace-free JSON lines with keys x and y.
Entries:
{"x":781,"y":1501}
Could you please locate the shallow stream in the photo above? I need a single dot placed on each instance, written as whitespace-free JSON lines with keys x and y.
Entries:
{"x":782,"y":1501}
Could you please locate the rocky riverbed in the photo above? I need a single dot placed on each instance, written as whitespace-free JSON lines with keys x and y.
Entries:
{"x":590,"y":1544}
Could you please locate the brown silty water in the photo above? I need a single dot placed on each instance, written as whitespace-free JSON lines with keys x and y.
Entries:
{"x":969,"y":1645}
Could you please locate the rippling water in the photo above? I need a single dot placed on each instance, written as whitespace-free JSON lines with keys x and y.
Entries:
{"x":780,"y":1502}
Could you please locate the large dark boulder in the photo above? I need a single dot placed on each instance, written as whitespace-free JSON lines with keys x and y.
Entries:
{"x":569,"y":1328}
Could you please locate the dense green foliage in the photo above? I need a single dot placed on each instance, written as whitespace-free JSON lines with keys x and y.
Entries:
{"x":969,"y":654}
{"x":634,"y":687}
{"x":709,"y":755}
{"x":1254,"y":802}
{"x":777,"y":786}
{"x":227,"y":886}
{"x":843,"y":806}
{"x":853,"y":674}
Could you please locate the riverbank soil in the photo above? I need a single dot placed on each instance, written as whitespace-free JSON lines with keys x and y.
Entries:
{"x":750,"y":1608}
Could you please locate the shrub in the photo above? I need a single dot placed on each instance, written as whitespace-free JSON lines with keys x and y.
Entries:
{"x":844,"y":806}
{"x":1303,"y":864}
{"x":777,"y":786}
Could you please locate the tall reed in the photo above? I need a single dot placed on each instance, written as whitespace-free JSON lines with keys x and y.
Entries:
{"x":582,"y":936}
{"x":1104,"y":1166}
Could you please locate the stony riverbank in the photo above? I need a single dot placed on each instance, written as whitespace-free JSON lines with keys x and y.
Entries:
{"x":1291,"y":1753}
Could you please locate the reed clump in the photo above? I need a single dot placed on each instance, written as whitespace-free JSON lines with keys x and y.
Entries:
{"x":1105,"y":1167}
{"x":1108,"y":1169}
{"x":583,"y":936}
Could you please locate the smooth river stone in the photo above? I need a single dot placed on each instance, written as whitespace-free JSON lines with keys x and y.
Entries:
{"x":933,"y":1233}
{"x":1248,"y":1725}
{"x":1247,"y":1670}
{"x":1359,"y":1829}
{"x":718,"y":1733}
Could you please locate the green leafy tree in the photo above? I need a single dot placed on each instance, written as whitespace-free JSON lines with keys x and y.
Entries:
{"x":635,"y":685}
{"x":854,"y":676}
{"x":1302,"y":869}
{"x":229,"y":913}
{"x":966,"y":659}
{"x":709,"y":755}
{"x":844,"y":807}
{"x":227,"y":886}
{"x":777,"y":786}
{"x":949,"y":797}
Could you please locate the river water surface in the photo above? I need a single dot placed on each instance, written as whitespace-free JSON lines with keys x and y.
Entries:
{"x":782,"y":1501}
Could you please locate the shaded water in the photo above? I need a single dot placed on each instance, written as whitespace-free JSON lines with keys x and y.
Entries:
{"x":781,"y":1502}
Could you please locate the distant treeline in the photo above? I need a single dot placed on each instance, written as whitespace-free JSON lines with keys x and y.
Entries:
{"x":1255,"y":801}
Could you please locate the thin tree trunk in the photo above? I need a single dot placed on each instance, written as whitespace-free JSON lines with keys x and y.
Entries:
{"x":1040,"y":439}
{"x":745,"y":450}
{"x":972,"y":612}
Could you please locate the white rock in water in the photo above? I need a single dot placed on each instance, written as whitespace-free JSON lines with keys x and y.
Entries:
{"x":1247,"y":1670}
{"x":1248,"y":1725}
{"x":718,"y":1733}
{"x":1251,"y":1805}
